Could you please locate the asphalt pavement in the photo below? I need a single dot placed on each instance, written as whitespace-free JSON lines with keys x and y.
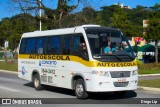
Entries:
{"x":13,"y":87}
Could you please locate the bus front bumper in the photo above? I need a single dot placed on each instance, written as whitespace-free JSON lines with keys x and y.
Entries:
{"x":112,"y":85}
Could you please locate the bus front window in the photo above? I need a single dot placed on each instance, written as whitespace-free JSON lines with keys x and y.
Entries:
{"x":109,"y":45}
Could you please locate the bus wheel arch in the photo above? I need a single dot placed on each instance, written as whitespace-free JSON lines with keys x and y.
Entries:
{"x":33,"y":74}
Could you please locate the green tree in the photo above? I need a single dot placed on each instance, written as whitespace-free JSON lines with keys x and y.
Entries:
{"x":49,"y":15}
{"x":104,"y":16}
{"x":152,"y":31}
{"x":121,"y":19}
{"x":5,"y":30}
{"x":138,"y":14}
{"x":12,"y":28}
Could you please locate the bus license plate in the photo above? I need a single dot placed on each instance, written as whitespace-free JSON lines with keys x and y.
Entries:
{"x":121,"y":80}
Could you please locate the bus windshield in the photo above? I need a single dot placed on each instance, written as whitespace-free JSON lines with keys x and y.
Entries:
{"x":109,"y":45}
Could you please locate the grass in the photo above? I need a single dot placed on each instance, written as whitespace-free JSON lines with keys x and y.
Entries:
{"x":155,"y":70}
{"x":150,"y":68}
{"x":149,"y":83}
{"x":8,"y":66}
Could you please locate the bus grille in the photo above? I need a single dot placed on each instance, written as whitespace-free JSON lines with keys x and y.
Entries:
{"x":120,"y":74}
{"x":121,"y":84}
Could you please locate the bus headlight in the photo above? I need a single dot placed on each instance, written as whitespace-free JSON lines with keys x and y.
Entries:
{"x":101,"y":73}
{"x":134,"y":72}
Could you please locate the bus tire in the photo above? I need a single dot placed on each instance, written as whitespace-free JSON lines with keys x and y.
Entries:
{"x":37,"y":83}
{"x":80,"y":90}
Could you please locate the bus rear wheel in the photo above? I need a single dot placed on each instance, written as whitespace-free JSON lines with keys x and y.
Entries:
{"x":37,"y":83}
{"x":80,"y":90}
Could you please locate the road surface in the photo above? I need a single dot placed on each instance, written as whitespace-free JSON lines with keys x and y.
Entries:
{"x":13,"y":87}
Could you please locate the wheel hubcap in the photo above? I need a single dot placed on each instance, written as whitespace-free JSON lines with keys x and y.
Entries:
{"x":79,"y":89}
{"x":36,"y":82}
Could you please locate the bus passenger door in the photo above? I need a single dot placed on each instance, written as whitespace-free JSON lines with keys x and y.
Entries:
{"x":71,"y":49}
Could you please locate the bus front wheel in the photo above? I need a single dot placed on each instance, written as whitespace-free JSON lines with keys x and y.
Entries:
{"x":80,"y":91}
{"x":37,"y":82}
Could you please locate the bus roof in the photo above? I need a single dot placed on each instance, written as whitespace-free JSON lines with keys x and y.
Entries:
{"x":64,"y":31}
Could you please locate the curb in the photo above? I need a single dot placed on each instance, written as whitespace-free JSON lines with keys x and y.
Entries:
{"x":149,"y":88}
{"x":145,"y":75}
{"x":12,"y":72}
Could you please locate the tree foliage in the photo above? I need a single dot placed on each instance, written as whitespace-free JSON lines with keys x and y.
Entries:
{"x":152,"y":31}
{"x":127,"y":20}
{"x":120,"y":20}
{"x":13,"y":28}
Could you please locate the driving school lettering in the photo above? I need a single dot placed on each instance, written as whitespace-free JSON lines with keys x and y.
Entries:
{"x":49,"y":57}
{"x":104,"y":64}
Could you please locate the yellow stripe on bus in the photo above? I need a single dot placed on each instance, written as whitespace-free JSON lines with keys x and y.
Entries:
{"x":78,"y":59}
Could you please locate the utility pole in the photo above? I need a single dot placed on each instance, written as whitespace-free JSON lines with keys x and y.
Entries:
{"x":40,"y":14}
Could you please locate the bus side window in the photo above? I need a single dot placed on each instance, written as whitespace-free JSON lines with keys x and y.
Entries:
{"x":67,"y":45}
{"x":41,"y":44}
{"x":30,"y":46}
{"x":79,"y":47}
{"x":22,"y":46}
{"x":75,"y":45}
{"x":54,"y":45}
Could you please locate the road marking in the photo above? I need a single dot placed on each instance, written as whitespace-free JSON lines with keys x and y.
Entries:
{"x":6,"y":71}
{"x":9,"y":89}
{"x":13,"y":81}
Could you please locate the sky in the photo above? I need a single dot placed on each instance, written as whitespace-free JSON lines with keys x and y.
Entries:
{"x":7,"y":11}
